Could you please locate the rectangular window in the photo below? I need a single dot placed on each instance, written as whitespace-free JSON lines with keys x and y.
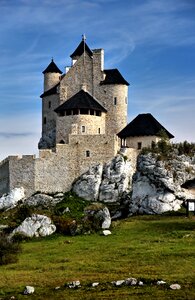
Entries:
{"x":49,"y":104}
{"x":139,"y":145}
{"x":99,"y":130}
{"x":126,"y":100}
{"x":115,"y":100}
{"x":44,"y":120}
{"x":82,"y":129}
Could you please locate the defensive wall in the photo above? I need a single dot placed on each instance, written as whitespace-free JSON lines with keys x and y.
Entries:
{"x":55,"y":171}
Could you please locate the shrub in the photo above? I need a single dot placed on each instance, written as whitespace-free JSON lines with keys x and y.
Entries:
{"x":9,"y":250}
{"x":65,"y":225}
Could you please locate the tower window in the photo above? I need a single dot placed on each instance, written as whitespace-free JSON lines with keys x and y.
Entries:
{"x":44,"y":120}
{"x":87,"y":153}
{"x":139,"y":145}
{"x":49,"y":104}
{"x":99,"y":130}
{"x":115,"y":100}
{"x":83,"y":129}
{"x":126,"y":100}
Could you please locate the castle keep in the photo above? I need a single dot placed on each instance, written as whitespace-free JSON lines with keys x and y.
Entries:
{"x":82,"y":112}
{"x":84,"y":122}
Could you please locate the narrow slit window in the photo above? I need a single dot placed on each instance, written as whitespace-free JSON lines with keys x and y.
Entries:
{"x":44,"y":120}
{"x":87,"y":153}
{"x":83,"y":129}
{"x":139,"y":145}
{"x":99,"y":130}
{"x":49,"y":104}
{"x":115,"y":100}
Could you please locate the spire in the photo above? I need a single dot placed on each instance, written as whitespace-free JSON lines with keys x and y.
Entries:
{"x":52,"y":68}
{"x":81,"y":48}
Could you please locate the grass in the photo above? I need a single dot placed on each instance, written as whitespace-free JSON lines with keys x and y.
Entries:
{"x":149,"y":248}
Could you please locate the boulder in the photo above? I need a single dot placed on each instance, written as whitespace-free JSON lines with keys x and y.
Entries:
{"x":29,"y":290}
{"x":11,"y":200}
{"x":42,"y":200}
{"x":36,"y":225}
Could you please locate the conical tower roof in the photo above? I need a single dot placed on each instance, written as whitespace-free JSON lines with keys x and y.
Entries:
{"x":52,"y":68}
{"x":80,"y":49}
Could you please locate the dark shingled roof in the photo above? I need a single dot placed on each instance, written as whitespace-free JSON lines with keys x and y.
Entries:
{"x":52,"y":68}
{"x":143,"y":125}
{"x":80,"y":49}
{"x":81,"y":100}
{"x":113,"y":76}
{"x":51,"y":91}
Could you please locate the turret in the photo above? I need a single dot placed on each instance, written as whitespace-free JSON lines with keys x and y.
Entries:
{"x":51,"y":76}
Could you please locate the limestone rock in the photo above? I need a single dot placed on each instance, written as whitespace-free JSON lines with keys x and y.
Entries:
{"x":36,"y":225}
{"x":106,"y":232}
{"x":87,"y":186}
{"x":29,"y":290}
{"x":175,"y":286}
{"x":11,"y":200}
{"x":42,"y":200}
{"x":74,"y":284}
{"x":157,"y":185}
{"x":107,"y":182}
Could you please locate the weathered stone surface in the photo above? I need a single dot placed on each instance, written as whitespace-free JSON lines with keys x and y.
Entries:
{"x":74,"y":284}
{"x":12,"y":199}
{"x":29,"y":290}
{"x":36,"y":225}
{"x":42,"y":200}
{"x":106,"y":232}
{"x":106,"y":182}
{"x":156,"y":186}
{"x":175,"y":286}
{"x":87,"y":186}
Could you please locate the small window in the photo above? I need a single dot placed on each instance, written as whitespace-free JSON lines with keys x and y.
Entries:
{"x":139,"y":145}
{"x":99,"y":130}
{"x":115,"y":100}
{"x":62,"y":142}
{"x":83,"y":129}
{"x":44,"y":120}
{"x":98,"y":113}
{"x":87,"y":153}
{"x":126,"y":100}
{"x":49,"y":104}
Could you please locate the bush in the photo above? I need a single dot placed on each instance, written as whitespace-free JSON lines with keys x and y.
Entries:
{"x":65,"y":225}
{"x":9,"y":250}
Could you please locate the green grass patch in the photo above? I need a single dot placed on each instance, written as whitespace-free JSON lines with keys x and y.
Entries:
{"x":149,"y":248}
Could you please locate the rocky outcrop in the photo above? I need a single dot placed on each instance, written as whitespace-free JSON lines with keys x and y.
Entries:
{"x":36,"y":225}
{"x":157,"y":185}
{"x":107,"y":182}
{"x":11,"y":200}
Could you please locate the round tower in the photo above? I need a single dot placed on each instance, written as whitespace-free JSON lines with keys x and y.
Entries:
{"x":115,"y":98}
{"x":51,"y":76}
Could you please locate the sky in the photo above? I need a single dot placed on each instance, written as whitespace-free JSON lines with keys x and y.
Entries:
{"x":151,"y":42}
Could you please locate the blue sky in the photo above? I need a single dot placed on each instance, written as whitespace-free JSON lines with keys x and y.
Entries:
{"x":151,"y":42}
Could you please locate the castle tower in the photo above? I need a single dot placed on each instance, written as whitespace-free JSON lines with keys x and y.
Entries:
{"x":114,"y":90}
{"x":51,"y":75}
{"x":50,"y":100}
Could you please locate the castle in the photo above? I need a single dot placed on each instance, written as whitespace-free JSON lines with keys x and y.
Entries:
{"x":84,"y":122}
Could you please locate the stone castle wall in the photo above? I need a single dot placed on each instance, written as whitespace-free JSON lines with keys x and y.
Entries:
{"x":55,"y":171}
{"x":79,"y":124}
{"x":145,"y":141}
